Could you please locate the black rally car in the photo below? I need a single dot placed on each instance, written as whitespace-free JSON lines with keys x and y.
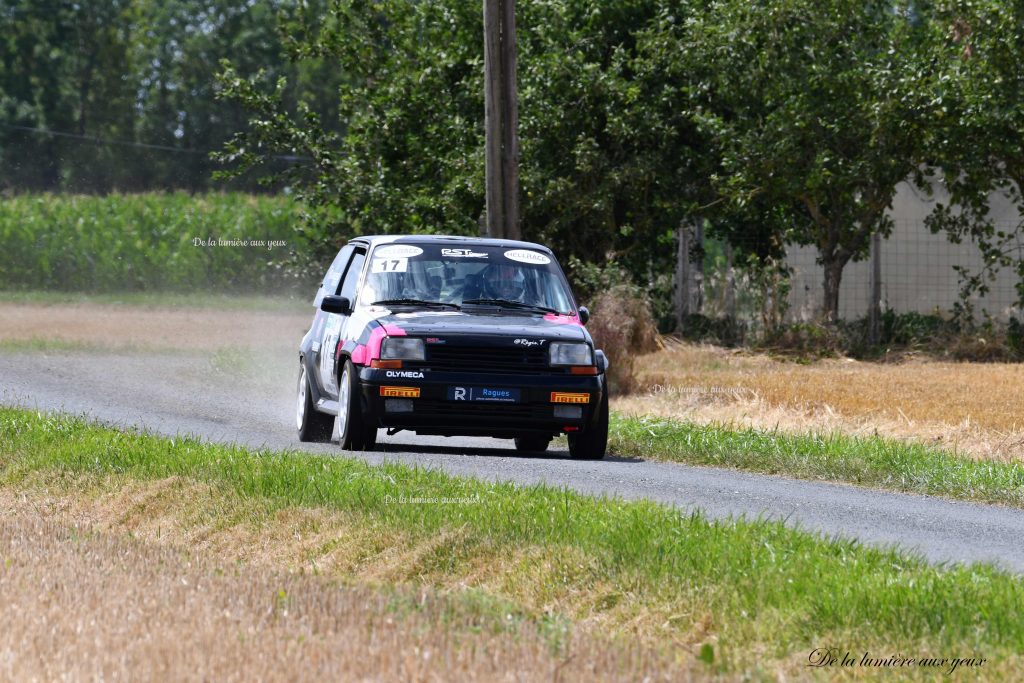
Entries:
{"x":453,"y":336}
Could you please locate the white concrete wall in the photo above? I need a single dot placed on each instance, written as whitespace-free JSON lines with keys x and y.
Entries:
{"x":917,"y":267}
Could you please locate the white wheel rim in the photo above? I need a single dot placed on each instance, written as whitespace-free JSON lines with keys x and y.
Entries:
{"x":343,"y":401}
{"x":300,"y":404}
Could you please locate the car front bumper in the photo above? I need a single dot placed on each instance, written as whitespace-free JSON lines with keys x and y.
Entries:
{"x":435,"y":411}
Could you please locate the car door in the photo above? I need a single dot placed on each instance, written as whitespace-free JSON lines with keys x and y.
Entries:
{"x":335,"y":323}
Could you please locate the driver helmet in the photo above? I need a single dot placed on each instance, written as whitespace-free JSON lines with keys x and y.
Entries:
{"x":505,"y":282}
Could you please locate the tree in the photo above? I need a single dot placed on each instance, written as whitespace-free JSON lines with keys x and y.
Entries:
{"x":61,"y":69}
{"x":607,"y":161}
{"x":976,"y":146}
{"x":127,"y":86}
{"x":403,"y":151}
{"x":816,"y":109}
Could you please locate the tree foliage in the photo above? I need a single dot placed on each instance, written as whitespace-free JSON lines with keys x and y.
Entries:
{"x":775,"y":122}
{"x":978,"y":47}
{"x":818,"y":111}
{"x":128,"y":86}
{"x":607,"y":158}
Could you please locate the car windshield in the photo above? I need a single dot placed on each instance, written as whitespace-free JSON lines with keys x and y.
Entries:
{"x":435,"y":274}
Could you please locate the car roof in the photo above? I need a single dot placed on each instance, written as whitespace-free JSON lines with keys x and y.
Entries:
{"x":374,"y":240}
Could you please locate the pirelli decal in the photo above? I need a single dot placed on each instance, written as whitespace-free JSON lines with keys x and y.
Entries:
{"x":568,"y":397}
{"x":400,"y":392}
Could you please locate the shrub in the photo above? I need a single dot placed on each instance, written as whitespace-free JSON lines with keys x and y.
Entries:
{"x":621,"y":320}
{"x":622,"y":325}
{"x":806,"y":340}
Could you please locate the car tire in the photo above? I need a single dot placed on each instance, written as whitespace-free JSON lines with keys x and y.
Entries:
{"x":313,"y":426}
{"x":532,"y":444}
{"x":592,"y":442}
{"x":350,"y":428}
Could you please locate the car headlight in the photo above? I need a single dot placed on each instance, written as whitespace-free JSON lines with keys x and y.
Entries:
{"x":402,"y":348}
{"x":571,"y":354}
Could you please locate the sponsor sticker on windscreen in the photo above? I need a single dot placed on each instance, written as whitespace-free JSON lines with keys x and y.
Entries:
{"x":389,"y":265}
{"x":463,"y":253}
{"x":527,"y":256}
{"x":397,"y":251}
{"x":485,"y":394}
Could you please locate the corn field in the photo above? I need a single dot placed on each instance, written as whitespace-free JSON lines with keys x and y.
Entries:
{"x":145,"y":242}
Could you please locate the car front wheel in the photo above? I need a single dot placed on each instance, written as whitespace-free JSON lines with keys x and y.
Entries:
{"x":592,"y":442}
{"x":350,"y":428}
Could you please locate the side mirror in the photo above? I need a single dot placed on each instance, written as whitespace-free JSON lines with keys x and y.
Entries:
{"x":584,"y":315}
{"x":336,"y":304}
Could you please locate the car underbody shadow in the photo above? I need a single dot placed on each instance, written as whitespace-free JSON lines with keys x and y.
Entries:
{"x":490,"y":452}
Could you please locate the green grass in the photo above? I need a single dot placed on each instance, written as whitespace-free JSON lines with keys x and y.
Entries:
{"x":868,"y":461}
{"x":145,"y":242}
{"x":764,"y":592}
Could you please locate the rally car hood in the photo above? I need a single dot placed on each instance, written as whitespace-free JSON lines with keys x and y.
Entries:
{"x":471,"y":323}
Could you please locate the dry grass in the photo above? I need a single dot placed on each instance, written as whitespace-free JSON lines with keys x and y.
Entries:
{"x":322,"y":542}
{"x":83,"y":600}
{"x":976,"y":409}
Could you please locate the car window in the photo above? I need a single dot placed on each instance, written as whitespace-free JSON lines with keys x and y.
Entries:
{"x":436,"y":273}
{"x":329,"y":285}
{"x":348,"y":285}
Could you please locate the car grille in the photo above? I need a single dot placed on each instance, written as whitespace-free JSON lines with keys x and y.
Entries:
{"x":513,"y":360}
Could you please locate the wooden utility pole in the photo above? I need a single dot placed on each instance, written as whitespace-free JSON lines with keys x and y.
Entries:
{"x":875,"y":303}
{"x":682,"y":293}
{"x":501,"y":119}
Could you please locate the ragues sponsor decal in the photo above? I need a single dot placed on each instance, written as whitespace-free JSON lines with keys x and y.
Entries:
{"x":484,"y":394}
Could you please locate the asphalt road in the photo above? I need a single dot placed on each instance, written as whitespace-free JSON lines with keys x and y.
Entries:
{"x":177,"y":392}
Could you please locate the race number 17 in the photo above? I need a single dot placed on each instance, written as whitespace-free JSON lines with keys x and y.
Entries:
{"x":389,"y":265}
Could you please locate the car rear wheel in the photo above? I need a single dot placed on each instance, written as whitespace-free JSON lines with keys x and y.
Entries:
{"x":313,"y":426}
{"x":533,"y":444}
{"x":592,"y":442}
{"x":350,"y":429}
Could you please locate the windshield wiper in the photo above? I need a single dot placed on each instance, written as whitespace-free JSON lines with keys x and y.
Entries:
{"x":415,"y":302}
{"x":511,"y":304}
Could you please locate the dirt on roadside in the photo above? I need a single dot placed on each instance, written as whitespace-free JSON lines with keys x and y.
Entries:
{"x":114,"y":326}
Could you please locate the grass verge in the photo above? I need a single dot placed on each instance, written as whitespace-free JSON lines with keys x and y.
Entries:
{"x":871,"y":461}
{"x":750,"y":596}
